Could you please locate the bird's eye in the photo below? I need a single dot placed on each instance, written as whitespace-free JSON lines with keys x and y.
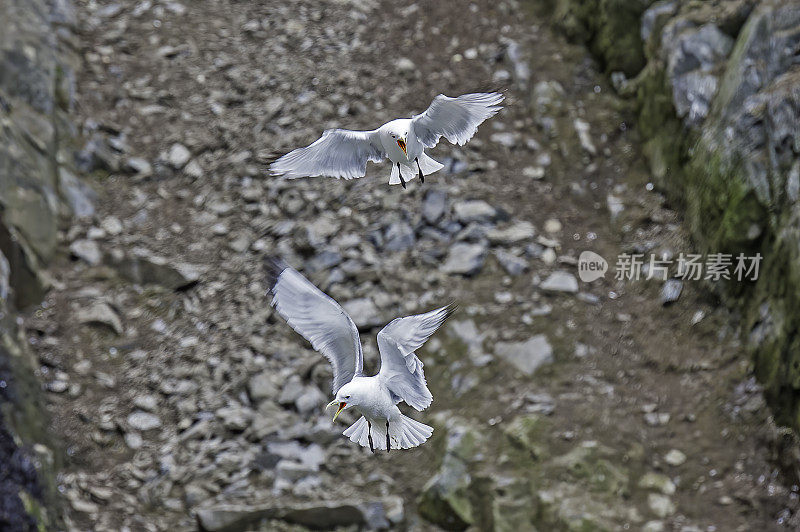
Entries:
{"x":347,"y":397}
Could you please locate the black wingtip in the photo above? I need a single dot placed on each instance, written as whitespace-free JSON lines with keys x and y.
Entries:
{"x":268,"y":159}
{"x":449,"y":310}
{"x":274,"y":267}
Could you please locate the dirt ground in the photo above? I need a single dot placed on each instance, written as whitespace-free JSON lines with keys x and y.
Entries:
{"x":234,"y":81}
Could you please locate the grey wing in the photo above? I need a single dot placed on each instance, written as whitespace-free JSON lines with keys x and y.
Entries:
{"x":319,"y":319}
{"x":339,"y":153}
{"x":456,"y":119}
{"x":401,"y":370}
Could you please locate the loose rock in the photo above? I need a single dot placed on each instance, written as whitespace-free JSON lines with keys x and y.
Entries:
{"x":465,"y":259}
{"x":560,"y":281}
{"x":526,"y":356}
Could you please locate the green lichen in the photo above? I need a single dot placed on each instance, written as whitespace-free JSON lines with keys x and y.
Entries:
{"x":609,"y":27}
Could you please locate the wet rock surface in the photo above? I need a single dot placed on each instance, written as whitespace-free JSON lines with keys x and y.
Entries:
{"x":205,"y":410}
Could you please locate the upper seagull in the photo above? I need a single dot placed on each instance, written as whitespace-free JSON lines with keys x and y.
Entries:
{"x":343,"y":153}
{"x":321,"y":321}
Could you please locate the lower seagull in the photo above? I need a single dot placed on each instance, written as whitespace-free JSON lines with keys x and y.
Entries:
{"x":331,"y":331}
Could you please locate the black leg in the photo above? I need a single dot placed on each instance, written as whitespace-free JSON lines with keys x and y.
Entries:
{"x":369,"y":437}
{"x":421,"y":177}
{"x":388,"y":445}
{"x":399,"y":173}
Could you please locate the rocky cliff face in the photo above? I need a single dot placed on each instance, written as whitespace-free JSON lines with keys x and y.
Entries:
{"x":718,"y":103}
{"x":36,"y":189}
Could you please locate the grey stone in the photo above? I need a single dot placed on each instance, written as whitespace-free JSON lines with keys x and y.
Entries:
{"x":111,"y":225}
{"x":363,"y":312}
{"x":79,"y":196}
{"x":235,"y":418}
{"x":133,"y":440}
{"x":512,"y":234}
{"x":505,"y":138}
{"x":142,"y":266}
{"x":512,"y":264}
{"x":5,"y":279}
{"x":474,"y":232}
{"x":86,"y":250}
{"x":657,"y":481}
{"x":311,"y":398}
{"x":293,"y":471}
{"x":671,"y":291}
{"x":97,"y":155}
{"x":582,"y":129}
{"x":657,"y":419}
{"x":693,"y":54}
{"x":101,"y":313}
{"x":434,"y":205}
{"x":291,"y":391}
{"x":324,"y":260}
{"x":661,"y":505}
{"x":474,"y":211}
{"x":465,"y":259}
{"x":674,"y":457}
{"x":138,"y":166}
{"x":467,"y":332}
{"x":148,"y":403}
{"x":526,"y":356}
{"x":58,"y":386}
{"x":321,"y":515}
{"x":178,"y":156}
{"x":399,"y":236}
{"x":143,"y":421}
{"x":534,"y":172}
{"x":405,"y":64}
{"x":262,"y":386}
{"x":560,"y":281}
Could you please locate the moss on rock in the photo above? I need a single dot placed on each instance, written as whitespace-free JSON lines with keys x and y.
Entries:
{"x":609,"y":27}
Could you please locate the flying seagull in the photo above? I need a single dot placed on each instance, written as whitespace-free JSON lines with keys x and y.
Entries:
{"x":321,"y":321}
{"x":342,"y":153}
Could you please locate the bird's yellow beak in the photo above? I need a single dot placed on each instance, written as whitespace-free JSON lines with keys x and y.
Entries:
{"x":402,"y":144}
{"x":339,"y":411}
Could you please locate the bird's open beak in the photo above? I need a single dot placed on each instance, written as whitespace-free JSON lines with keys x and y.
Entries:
{"x":339,"y":411}
{"x":402,"y":144}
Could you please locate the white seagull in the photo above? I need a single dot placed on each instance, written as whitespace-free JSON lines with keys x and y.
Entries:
{"x":321,"y":321}
{"x":342,"y":153}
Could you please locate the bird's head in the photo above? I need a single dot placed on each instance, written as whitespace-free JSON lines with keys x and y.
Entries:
{"x":347,"y":396}
{"x":400,"y":136}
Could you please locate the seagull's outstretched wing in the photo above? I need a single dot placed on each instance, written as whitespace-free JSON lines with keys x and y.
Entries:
{"x":456,"y":119}
{"x":319,"y":319}
{"x":401,"y":370}
{"x":339,"y":153}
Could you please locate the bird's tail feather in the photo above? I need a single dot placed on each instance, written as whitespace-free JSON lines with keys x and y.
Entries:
{"x":429,"y":165}
{"x":404,"y":433}
{"x":405,"y":170}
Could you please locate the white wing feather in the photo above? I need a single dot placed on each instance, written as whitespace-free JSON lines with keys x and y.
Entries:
{"x":456,"y":119}
{"x":401,"y":370}
{"x":338,"y":153}
{"x":319,"y":319}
